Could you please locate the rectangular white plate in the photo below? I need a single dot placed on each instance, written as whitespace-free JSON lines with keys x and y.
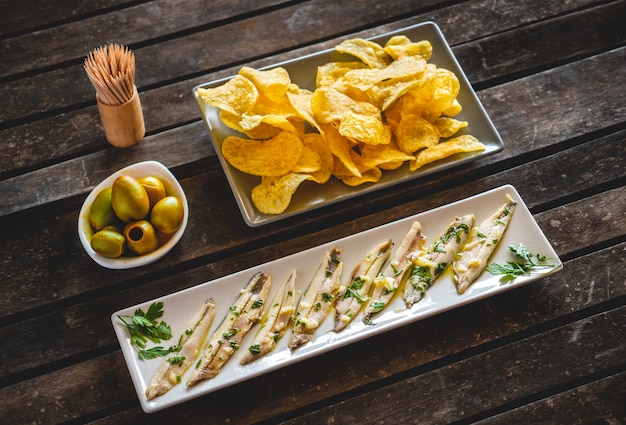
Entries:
{"x":181,"y":306}
{"x":311,"y":195}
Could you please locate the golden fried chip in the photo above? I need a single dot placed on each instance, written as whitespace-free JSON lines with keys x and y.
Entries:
{"x":272,"y":157}
{"x":273,"y":195}
{"x":249,"y":122}
{"x":448,"y":127}
{"x":262,"y":131}
{"x":309,"y":161}
{"x":330,"y":106}
{"x":272,"y":83}
{"x":383,"y":156}
{"x":465,"y":143}
{"x":317,"y":142}
{"x":453,"y":109}
{"x":372,"y":54}
{"x":434,"y":94}
{"x":300,"y":100}
{"x":401,"y":46}
{"x":341,"y":149}
{"x":330,"y":72}
{"x":238,"y":95}
{"x":414,"y":133}
{"x":365,"y":128}
{"x":371,"y":175}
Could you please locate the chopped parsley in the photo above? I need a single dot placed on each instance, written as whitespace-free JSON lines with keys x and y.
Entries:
{"x":525,"y":263}
{"x":144,"y":327}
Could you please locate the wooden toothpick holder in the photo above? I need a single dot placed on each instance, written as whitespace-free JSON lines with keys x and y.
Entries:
{"x":123,"y":124}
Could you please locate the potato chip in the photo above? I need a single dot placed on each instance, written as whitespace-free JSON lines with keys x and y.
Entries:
{"x":272,"y":157}
{"x":250,"y":121}
{"x":453,"y":109}
{"x":448,"y":127}
{"x":309,"y":161}
{"x":330,"y":72}
{"x":272,"y":83}
{"x":371,"y":175}
{"x":388,"y":155}
{"x":341,"y":149}
{"x":273,"y":195}
{"x":300,"y":100}
{"x":263,"y":131}
{"x":465,"y":143}
{"x":238,"y":95}
{"x":434,"y":94}
{"x":330,"y":106}
{"x":400,"y":46}
{"x":317,"y":142}
{"x":414,"y":133}
{"x":365,"y":128}
{"x":372,"y":54}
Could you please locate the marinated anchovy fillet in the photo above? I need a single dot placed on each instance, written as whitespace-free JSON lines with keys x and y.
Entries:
{"x":247,"y":309}
{"x":355,"y":295}
{"x":387,"y":283}
{"x":429,"y":264}
{"x":317,"y":300}
{"x":472,"y":260}
{"x":275,"y":321}
{"x":170,"y":372}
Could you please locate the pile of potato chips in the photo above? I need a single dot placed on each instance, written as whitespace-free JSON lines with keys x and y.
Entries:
{"x":365,"y":116}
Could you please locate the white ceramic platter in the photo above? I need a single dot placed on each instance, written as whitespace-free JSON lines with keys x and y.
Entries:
{"x":311,"y":195}
{"x":180,"y":307}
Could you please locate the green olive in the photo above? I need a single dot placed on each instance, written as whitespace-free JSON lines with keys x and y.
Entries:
{"x":108,"y":243}
{"x":141,"y":237}
{"x":101,"y":213}
{"x":167,"y":214}
{"x":129,"y":199}
{"x":154,"y":188}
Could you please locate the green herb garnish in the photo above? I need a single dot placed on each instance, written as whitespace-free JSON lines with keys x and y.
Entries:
{"x":514,"y":268}
{"x":144,"y":326}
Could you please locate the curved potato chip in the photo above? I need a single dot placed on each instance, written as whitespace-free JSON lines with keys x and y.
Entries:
{"x":453,"y":109}
{"x":330,"y":72}
{"x":465,"y":143}
{"x":301,"y":101}
{"x":401,"y":46}
{"x":309,"y":161}
{"x":272,"y":83}
{"x":434,"y":94}
{"x":272,"y":157}
{"x":341,"y":149}
{"x":330,"y":106}
{"x":249,"y":122}
{"x":448,"y":127}
{"x":263,"y":131}
{"x":372,"y":54}
{"x":273,"y":195}
{"x":414,"y":133}
{"x":369,"y":176}
{"x":383,"y":156}
{"x":365,"y":128}
{"x":238,"y":95}
{"x":317,"y":142}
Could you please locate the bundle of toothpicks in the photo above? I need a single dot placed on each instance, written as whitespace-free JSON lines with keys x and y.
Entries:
{"x":111,"y":70}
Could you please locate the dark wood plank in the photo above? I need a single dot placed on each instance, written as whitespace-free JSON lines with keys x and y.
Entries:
{"x":24,"y":16}
{"x":470,"y":388}
{"x":596,"y":402}
{"x":176,"y":100}
{"x":134,"y":25}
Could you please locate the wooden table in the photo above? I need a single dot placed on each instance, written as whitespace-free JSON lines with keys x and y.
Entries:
{"x":551,"y":76}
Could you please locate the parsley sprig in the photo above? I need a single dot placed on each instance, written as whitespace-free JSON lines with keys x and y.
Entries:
{"x":526,"y":263}
{"x":144,"y":327}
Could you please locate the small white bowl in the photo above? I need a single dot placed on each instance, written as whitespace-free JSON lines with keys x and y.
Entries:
{"x":141,"y":169}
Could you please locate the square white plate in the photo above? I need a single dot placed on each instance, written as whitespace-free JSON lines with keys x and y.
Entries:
{"x":311,"y":195}
{"x":181,"y":306}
